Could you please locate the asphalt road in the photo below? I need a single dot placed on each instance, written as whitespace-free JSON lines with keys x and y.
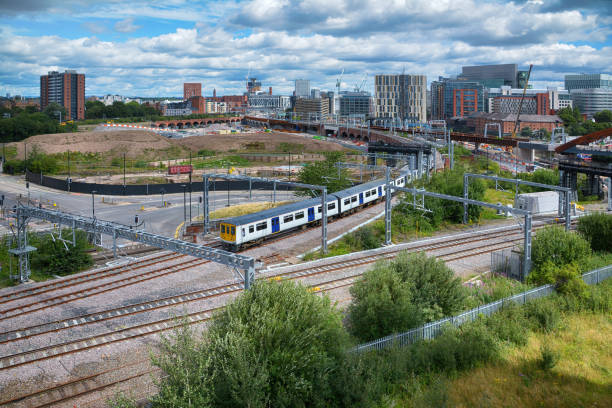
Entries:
{"x":122,"y":209}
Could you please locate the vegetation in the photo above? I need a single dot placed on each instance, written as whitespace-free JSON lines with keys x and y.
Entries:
{"x":276,"y":345}
{"x":401,"y":294}
{"x":597,"y":229}
{"x":578,"y":126}
{"x":325,"y":173}
{"x":52,"y":256}
{"x":25,"y":123}
{"x":557,"y":247}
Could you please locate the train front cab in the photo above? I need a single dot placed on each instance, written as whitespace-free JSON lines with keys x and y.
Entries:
{"x":228,"y":232}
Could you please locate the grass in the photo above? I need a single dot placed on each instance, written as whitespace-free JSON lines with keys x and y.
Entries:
{"x":498,"y":196}
{"x":583,"y":376}
{"x":243,"y":209}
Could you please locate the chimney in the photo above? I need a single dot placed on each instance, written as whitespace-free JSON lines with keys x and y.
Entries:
{"x":270,"y":91}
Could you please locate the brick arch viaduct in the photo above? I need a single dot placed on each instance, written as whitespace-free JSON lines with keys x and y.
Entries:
{"x":191,"y":123}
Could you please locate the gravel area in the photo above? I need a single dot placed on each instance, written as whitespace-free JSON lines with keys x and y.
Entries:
{"x":31,"y":377}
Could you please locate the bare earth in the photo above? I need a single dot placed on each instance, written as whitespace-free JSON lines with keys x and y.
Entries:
{"x":134,"y":142}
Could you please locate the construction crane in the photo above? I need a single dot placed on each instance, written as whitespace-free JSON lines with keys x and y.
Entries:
{"x":339,"y":82}
{"x":362,"y":84}
{"x":247,"y":78}
{"x":518,"y":115}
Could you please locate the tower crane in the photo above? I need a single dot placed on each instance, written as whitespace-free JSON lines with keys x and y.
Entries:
{"x":518,"y":115}
{"x":362,"y":84}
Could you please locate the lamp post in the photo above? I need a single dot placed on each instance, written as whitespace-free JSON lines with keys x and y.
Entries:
{"x":162,"y":192}
{"x":184,"y":202}
{"x":93,"y":204}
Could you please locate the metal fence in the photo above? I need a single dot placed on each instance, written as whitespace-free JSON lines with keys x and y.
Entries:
{"x":145,"y":189}
{"x":508,"y":263}
{"x":431,"y":330}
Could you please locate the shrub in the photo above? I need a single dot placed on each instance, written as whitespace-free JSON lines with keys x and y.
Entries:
{"x":544,"y":313}
{"x":548,"y":358}
{"x":275,"y":345}
{"x":383,"y":303}
{"x":557,"y":246}
{"x":510,"y":324}
{"x":597,"y":229}
{"x":401,"y":294}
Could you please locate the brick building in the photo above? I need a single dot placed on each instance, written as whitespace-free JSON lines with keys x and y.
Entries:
{"x":478,"y":121}
{"x":191,"y":89}
{"x":67,"y":90}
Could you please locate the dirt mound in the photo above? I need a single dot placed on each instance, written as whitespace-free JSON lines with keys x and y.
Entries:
{"x":132,"y":142}
{"x":136,"y":143}
{"x":258,"y":142}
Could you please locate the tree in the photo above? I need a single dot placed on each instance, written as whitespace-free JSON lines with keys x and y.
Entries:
{"x":597,"y":229}
{"x":52,"y":109}
{"x":605,"y":116}
{"x":558,"y":247}
{"x":325,"y":173}
{"x":526,"y":132}
{"x":399,"y":295}
{"x":277,"y":345}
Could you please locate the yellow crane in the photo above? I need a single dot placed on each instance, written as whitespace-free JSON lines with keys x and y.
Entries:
{"x":518,"y":115}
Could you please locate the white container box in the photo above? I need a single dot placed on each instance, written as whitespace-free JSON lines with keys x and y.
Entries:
{"x":542,"y":202}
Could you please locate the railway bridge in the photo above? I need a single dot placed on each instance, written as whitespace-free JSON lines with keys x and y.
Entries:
{"x":192,"y":123}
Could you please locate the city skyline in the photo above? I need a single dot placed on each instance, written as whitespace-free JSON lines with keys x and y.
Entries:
{"x":151,"y":48}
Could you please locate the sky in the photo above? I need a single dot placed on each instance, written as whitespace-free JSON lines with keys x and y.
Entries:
{"x":149,"y":48}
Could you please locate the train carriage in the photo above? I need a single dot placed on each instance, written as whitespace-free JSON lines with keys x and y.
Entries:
{"x":252,"y":228}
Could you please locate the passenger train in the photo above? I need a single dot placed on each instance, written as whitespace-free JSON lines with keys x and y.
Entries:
{"x":252,"y":229}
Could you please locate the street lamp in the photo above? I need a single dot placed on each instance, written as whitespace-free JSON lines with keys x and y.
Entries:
{"x":184,"y":202}
{"x":93,"y":204}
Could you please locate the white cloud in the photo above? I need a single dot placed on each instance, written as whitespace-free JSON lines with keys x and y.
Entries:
{"x":313,"y":39}
{"x":126,"y":26}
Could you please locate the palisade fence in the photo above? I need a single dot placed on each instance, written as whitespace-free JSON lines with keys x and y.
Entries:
{"x":431,"y":330}
{"x":146,"y":189}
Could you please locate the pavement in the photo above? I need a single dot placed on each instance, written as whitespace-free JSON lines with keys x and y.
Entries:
{"x":122,"y":209}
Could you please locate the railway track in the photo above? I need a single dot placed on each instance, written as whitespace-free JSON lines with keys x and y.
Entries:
{"x":93,"y":383}
{"x":85,"y":277}
{"x":29,"y":356}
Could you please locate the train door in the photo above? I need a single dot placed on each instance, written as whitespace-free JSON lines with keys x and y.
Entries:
{"x":360,"y":198}
{"x":311,"y":214}
{"x":275,"y":225}
{"x":380,"y":191}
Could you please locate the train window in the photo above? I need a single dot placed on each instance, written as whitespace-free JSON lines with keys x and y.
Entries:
{"x":288,"y":218}
{"x":373,"y":192}
{"x":367,"y":194}
{"x":223,"y":229}
{"x":261,"y":226}
{"x":347,"y":201}
{"x":233,"y":230}
{"x":331,"y":206}
{"x":243,"y":232}
{"x":299,"y":215}
{"x":319,"y":209}
{"x":251,"y":229}
{"x":353,"y":199}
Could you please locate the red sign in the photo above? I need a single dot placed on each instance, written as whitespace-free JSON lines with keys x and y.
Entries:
{"x":180,"y":169}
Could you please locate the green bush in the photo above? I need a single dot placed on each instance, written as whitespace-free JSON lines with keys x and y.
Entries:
{"x":597,"y":229}
{"x":275,"y":345}
{"x":548,"y":358}
{"x":510,"y":324}
{"x":54,"y":257}
{"x":558,"y":247}
{"x":544,"y":313}
{"x":401,"y":294}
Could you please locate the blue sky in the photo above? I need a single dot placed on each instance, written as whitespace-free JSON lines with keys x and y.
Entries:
{"x":149,"y":48}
